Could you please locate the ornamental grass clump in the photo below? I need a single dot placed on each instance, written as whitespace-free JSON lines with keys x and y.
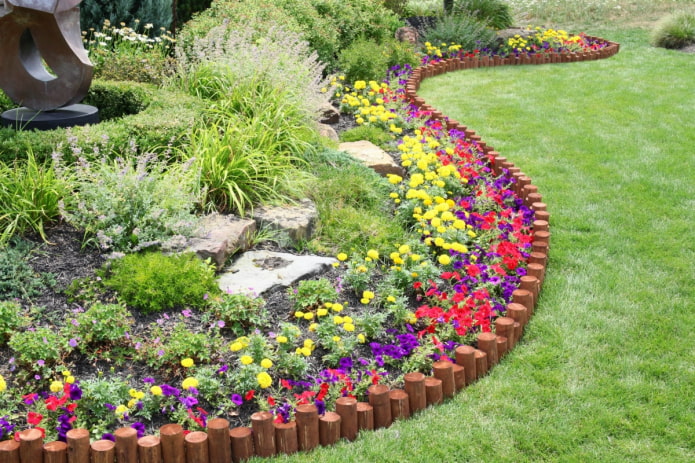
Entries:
{"x":674,"y":31}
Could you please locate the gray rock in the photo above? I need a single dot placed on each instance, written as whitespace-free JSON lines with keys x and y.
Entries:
{"x":328,"y":114}
{"x":295,"y":221}
{"x":256,"y":272}
{"x":328,"y":132}
{"x":220,"y":236}
{"x":372,"y":156}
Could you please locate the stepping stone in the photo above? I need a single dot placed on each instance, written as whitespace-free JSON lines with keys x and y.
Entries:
{"x":372,"y":156}
{"x":256,"y":272}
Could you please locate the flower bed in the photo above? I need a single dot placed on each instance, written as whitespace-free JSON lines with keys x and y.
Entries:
{"x":475,"y":271}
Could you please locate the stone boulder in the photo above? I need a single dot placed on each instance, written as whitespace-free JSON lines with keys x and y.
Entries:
{"x":373,"y":157}
{"x":296,"y":221}
{"x":220,"y":236}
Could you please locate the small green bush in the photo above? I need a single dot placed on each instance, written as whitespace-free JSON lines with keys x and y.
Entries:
{"x":371,"y":133}
{"x":32,"y":346}
{"x":101,"y":324}
{"x":11,"y":318}
{"x":181,"y":342}
{"x":464,"y":30}
{"x":117,"y":99}
{"x":367,"y":60}
{"x":239,"y":312}
{"x":153,"y":282}
{"x":17,"y":277}
{"x":674,"y":31}
{"x":311,"y":294}
{"x":495,"y":13}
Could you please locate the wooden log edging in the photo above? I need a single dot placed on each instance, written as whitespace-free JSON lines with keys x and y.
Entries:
{"x":265,"y":438}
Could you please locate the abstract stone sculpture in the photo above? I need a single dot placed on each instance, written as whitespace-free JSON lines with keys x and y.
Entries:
{"x":34,"y":32}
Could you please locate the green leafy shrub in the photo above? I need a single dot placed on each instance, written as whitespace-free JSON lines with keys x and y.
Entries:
{"x":17,"y":277}
{"x":399,"y":7}
{"x":185,"y":9}
{"x":495,"y":13}
{"x":367,"y":60}
{"x":31,"y":346}
{"x":101,"y":324}
{"x":168,"y":349}
{"x":125,"y":206}
{"x":11,"y":318}
{"x":153,"y":282}
{"x":674,"y":31}
{"x":117,"y":99}
{"x":310,"y":294}
{"x":239,"y":312}
{"x":129,"y":12}
{"x":30,"y":193}
{"x":464,"y":30}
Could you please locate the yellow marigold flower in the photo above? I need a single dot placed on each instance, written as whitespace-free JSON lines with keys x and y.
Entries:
{"x":444,"y":259}
{"x":266,"y":363}
{"x":361,"y":338}
{"x":299,"y":314}
{"x":264,"y":380}
{"x":156,"y":390}
{"x":368,"y":295}
{"x":309,"y":343}
{"x":471,"y":234}
{"x":338,"y":320}
{"x":132,"y":403}
{"x":309,"y":316}
{"x":121,"y":410}
{"x":187,"y":362}
{"x":313,"y":327}
{"x":3,"y":384}
{"x":337,"y":307}
{"x":395,"y":179}
{"x":189,"y":383}
{"x":373,"y":254}
{"x":66,"y":372}
{"x":236,"y":346}
{"x":391,"y":299}
{"x":360,"y":85}
{"x":246,"y":360}
{"x":336,"y":338}
{"x":70,"y":380}
{"x":342,"y":257}
{"x":305,"y":351}
{"x":281,"y":339}
{"x":56,"y":386}
{"x":364,"y":301}
{"x":349,"y":327}
{"x":132,"y":392}
{"x":322,"y":312}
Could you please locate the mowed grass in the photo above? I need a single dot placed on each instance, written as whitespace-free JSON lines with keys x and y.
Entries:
{"x":606,"y":369}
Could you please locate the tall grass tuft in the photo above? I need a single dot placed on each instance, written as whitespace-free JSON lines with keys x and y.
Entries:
{"x":674,"y":31}
{"x":30,"y":194}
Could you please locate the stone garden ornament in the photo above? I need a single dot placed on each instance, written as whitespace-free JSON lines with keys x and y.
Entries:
{"x":43,"y":64}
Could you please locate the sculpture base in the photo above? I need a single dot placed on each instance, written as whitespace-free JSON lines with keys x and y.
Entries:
{"x":67,"y":116}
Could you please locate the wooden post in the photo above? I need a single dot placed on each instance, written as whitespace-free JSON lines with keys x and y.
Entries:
{"x":149,"y":449}
{"x":307,"y":418}
{"x":55,"y":452}
{"x":531,"y":284}
{"x":525,"y":298}
{"x":126,"y":445}
{"x":504,"y":326}
{"x":444,"y":371}
{"x":9,"y":451}
{"x":219,"y":443}
{"x":242,"y":443}
{"x":104,"y":451}
{"x":346,"y":407}
{"x":263,"y":433}
{"x":286,"y":437}
{"x":459,"y":377}
{"x":400,"y":404}
{"x":196,"y":443}
{"x":480,"y":363}
{"x":30,"y":445}
{"x":78,"y":445}
{"x":365,"y":416}
{"x":536,"y":270}
{"x":487,"y":342}
{"x":433,"y":391}
{"x":172,"y":442}
{"x":415,"y":388}
{"x":329,"y":429}
{"x":501,"y":347}
{"x":465,"y":356}
{"x":379,"y":400}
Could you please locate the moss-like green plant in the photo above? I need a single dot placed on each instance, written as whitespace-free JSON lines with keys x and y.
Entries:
{"x":371,"y":133}
{"x":153,"y":282}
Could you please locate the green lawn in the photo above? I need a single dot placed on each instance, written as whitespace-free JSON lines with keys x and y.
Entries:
{"x":606,"y":369}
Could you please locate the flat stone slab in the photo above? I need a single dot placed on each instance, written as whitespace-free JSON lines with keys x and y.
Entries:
{"x":256,"y":272}
{"x":372,"y":156}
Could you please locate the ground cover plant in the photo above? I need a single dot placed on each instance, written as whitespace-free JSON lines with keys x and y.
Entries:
{"x":252,"y":357}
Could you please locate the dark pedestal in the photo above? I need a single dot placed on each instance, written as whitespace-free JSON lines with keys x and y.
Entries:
{"x":67,"y":116}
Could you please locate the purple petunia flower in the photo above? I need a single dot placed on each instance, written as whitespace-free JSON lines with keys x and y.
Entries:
{"x":237,"y":399}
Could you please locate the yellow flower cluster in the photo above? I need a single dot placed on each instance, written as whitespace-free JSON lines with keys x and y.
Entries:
{"x":432,"y":50}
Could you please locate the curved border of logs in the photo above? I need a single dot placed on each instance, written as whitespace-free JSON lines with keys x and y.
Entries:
{"x":308,"y":430}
